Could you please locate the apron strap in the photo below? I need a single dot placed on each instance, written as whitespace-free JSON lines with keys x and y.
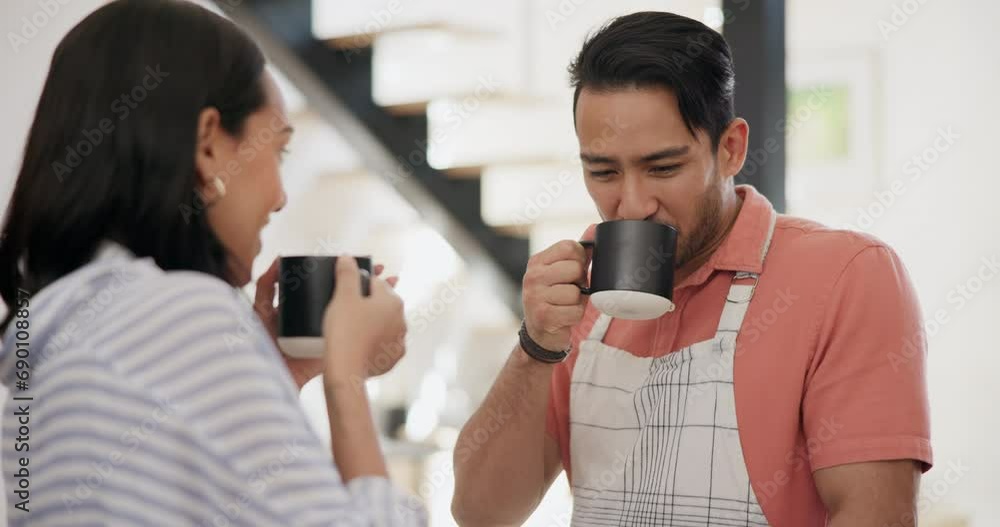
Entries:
{"x":737,"y":299}
{"x":600,"y":328}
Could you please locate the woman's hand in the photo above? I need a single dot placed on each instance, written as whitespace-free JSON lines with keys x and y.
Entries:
{"x":302,"y":370}
{"x":364,"y":336}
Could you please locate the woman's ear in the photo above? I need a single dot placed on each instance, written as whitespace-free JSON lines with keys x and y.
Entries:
{"x":206,"y":152}
{"x":733,"y":147}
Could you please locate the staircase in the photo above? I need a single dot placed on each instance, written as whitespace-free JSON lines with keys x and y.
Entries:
{"x":463,"y":108}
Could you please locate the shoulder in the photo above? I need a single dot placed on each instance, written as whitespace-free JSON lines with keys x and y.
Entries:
{"x":823,"y":254}
{"x":164,"y":296}
{"x":145,"y":320}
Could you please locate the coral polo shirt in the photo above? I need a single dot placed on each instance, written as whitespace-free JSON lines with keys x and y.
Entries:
{"x":829,"y":364}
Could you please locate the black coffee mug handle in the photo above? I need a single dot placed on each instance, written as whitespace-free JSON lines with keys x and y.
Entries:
{"x":587,"y":244}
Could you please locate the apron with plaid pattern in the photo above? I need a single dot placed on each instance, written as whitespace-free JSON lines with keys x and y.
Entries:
{"x":655,"y":441}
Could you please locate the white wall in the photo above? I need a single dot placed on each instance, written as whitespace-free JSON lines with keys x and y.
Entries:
{"x":26,"y":64}
{"x":937,"y":71}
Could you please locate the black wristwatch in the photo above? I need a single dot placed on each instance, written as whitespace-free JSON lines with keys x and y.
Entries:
{"x":537,"y":352}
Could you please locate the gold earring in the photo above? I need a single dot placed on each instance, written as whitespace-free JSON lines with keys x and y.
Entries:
{"x":220,"y":187}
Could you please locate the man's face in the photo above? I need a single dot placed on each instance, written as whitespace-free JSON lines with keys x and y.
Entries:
{"x":640,"y":162}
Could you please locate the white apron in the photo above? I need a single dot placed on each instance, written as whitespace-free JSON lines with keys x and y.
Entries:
{"x":654,"y":441}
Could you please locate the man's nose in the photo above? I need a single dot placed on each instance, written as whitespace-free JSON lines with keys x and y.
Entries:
{"x":636,"y":202}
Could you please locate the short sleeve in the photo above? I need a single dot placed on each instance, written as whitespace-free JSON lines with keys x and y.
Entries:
{"x":866,"y":394}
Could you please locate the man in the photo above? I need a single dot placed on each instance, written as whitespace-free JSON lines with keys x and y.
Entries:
{"x":786,"y":388}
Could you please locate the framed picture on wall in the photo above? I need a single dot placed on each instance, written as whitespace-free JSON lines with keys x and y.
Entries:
{"x":832,"y":128}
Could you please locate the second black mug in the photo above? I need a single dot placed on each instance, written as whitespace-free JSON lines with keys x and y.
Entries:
{"x":305,"y":288}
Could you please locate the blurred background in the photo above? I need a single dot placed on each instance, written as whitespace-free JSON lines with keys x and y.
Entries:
{"x":437,"y":136}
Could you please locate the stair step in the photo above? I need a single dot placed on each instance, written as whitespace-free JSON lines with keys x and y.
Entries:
{"x":443,"y":49}
{"x":557,"y":28}
{"x":355,"y":24}
{"x":548,"y":231}
{"x":474,"y":132}
{"x":416,"y":66}
{"x":515,"y":195}
{"x":316,"y":149}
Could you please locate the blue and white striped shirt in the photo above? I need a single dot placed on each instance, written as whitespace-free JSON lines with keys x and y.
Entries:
{"x":157,"y":398}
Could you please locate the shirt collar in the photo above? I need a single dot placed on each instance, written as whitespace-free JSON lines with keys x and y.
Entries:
{"x":747,"y":241}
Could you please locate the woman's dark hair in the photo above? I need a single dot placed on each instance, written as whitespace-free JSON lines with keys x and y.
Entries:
{"x":656,"y":49}
{"x":110,"y":154}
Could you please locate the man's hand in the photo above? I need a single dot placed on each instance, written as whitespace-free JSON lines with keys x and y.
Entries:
{"x":553,"y":303}
{"x":873,"y":494}
{"x":302,"y":370}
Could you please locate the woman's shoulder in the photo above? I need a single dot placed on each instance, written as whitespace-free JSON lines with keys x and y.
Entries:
{"x":139,"y":282}
{"x":174,"y":303}
{"x":119,"y":299}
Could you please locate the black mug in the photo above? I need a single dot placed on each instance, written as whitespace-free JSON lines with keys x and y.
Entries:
{"x":632,"y":269}
{"x":305,"y":287}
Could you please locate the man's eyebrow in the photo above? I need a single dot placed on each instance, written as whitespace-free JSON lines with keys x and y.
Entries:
{"x":590,"y":158}
{"x":674,"y":151}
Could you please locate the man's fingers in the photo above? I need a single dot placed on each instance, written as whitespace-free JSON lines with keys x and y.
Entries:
{"x":563,"y":295}
{"x":378,"y":269}
{"x":564,"y":250}
{"x":392,"y":280}
{"x":567,"y":316}
{"x":564,"y":272}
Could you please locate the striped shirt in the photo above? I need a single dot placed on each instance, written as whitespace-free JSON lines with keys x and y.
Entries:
{"x":158,"y":398}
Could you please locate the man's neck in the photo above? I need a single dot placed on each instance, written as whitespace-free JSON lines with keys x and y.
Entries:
{"x":731,"y":211}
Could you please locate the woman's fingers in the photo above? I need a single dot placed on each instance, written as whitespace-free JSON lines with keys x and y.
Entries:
{"x":264,"y":297}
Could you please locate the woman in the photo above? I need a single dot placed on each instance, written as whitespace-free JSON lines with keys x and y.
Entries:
{"x":157,"y":396}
